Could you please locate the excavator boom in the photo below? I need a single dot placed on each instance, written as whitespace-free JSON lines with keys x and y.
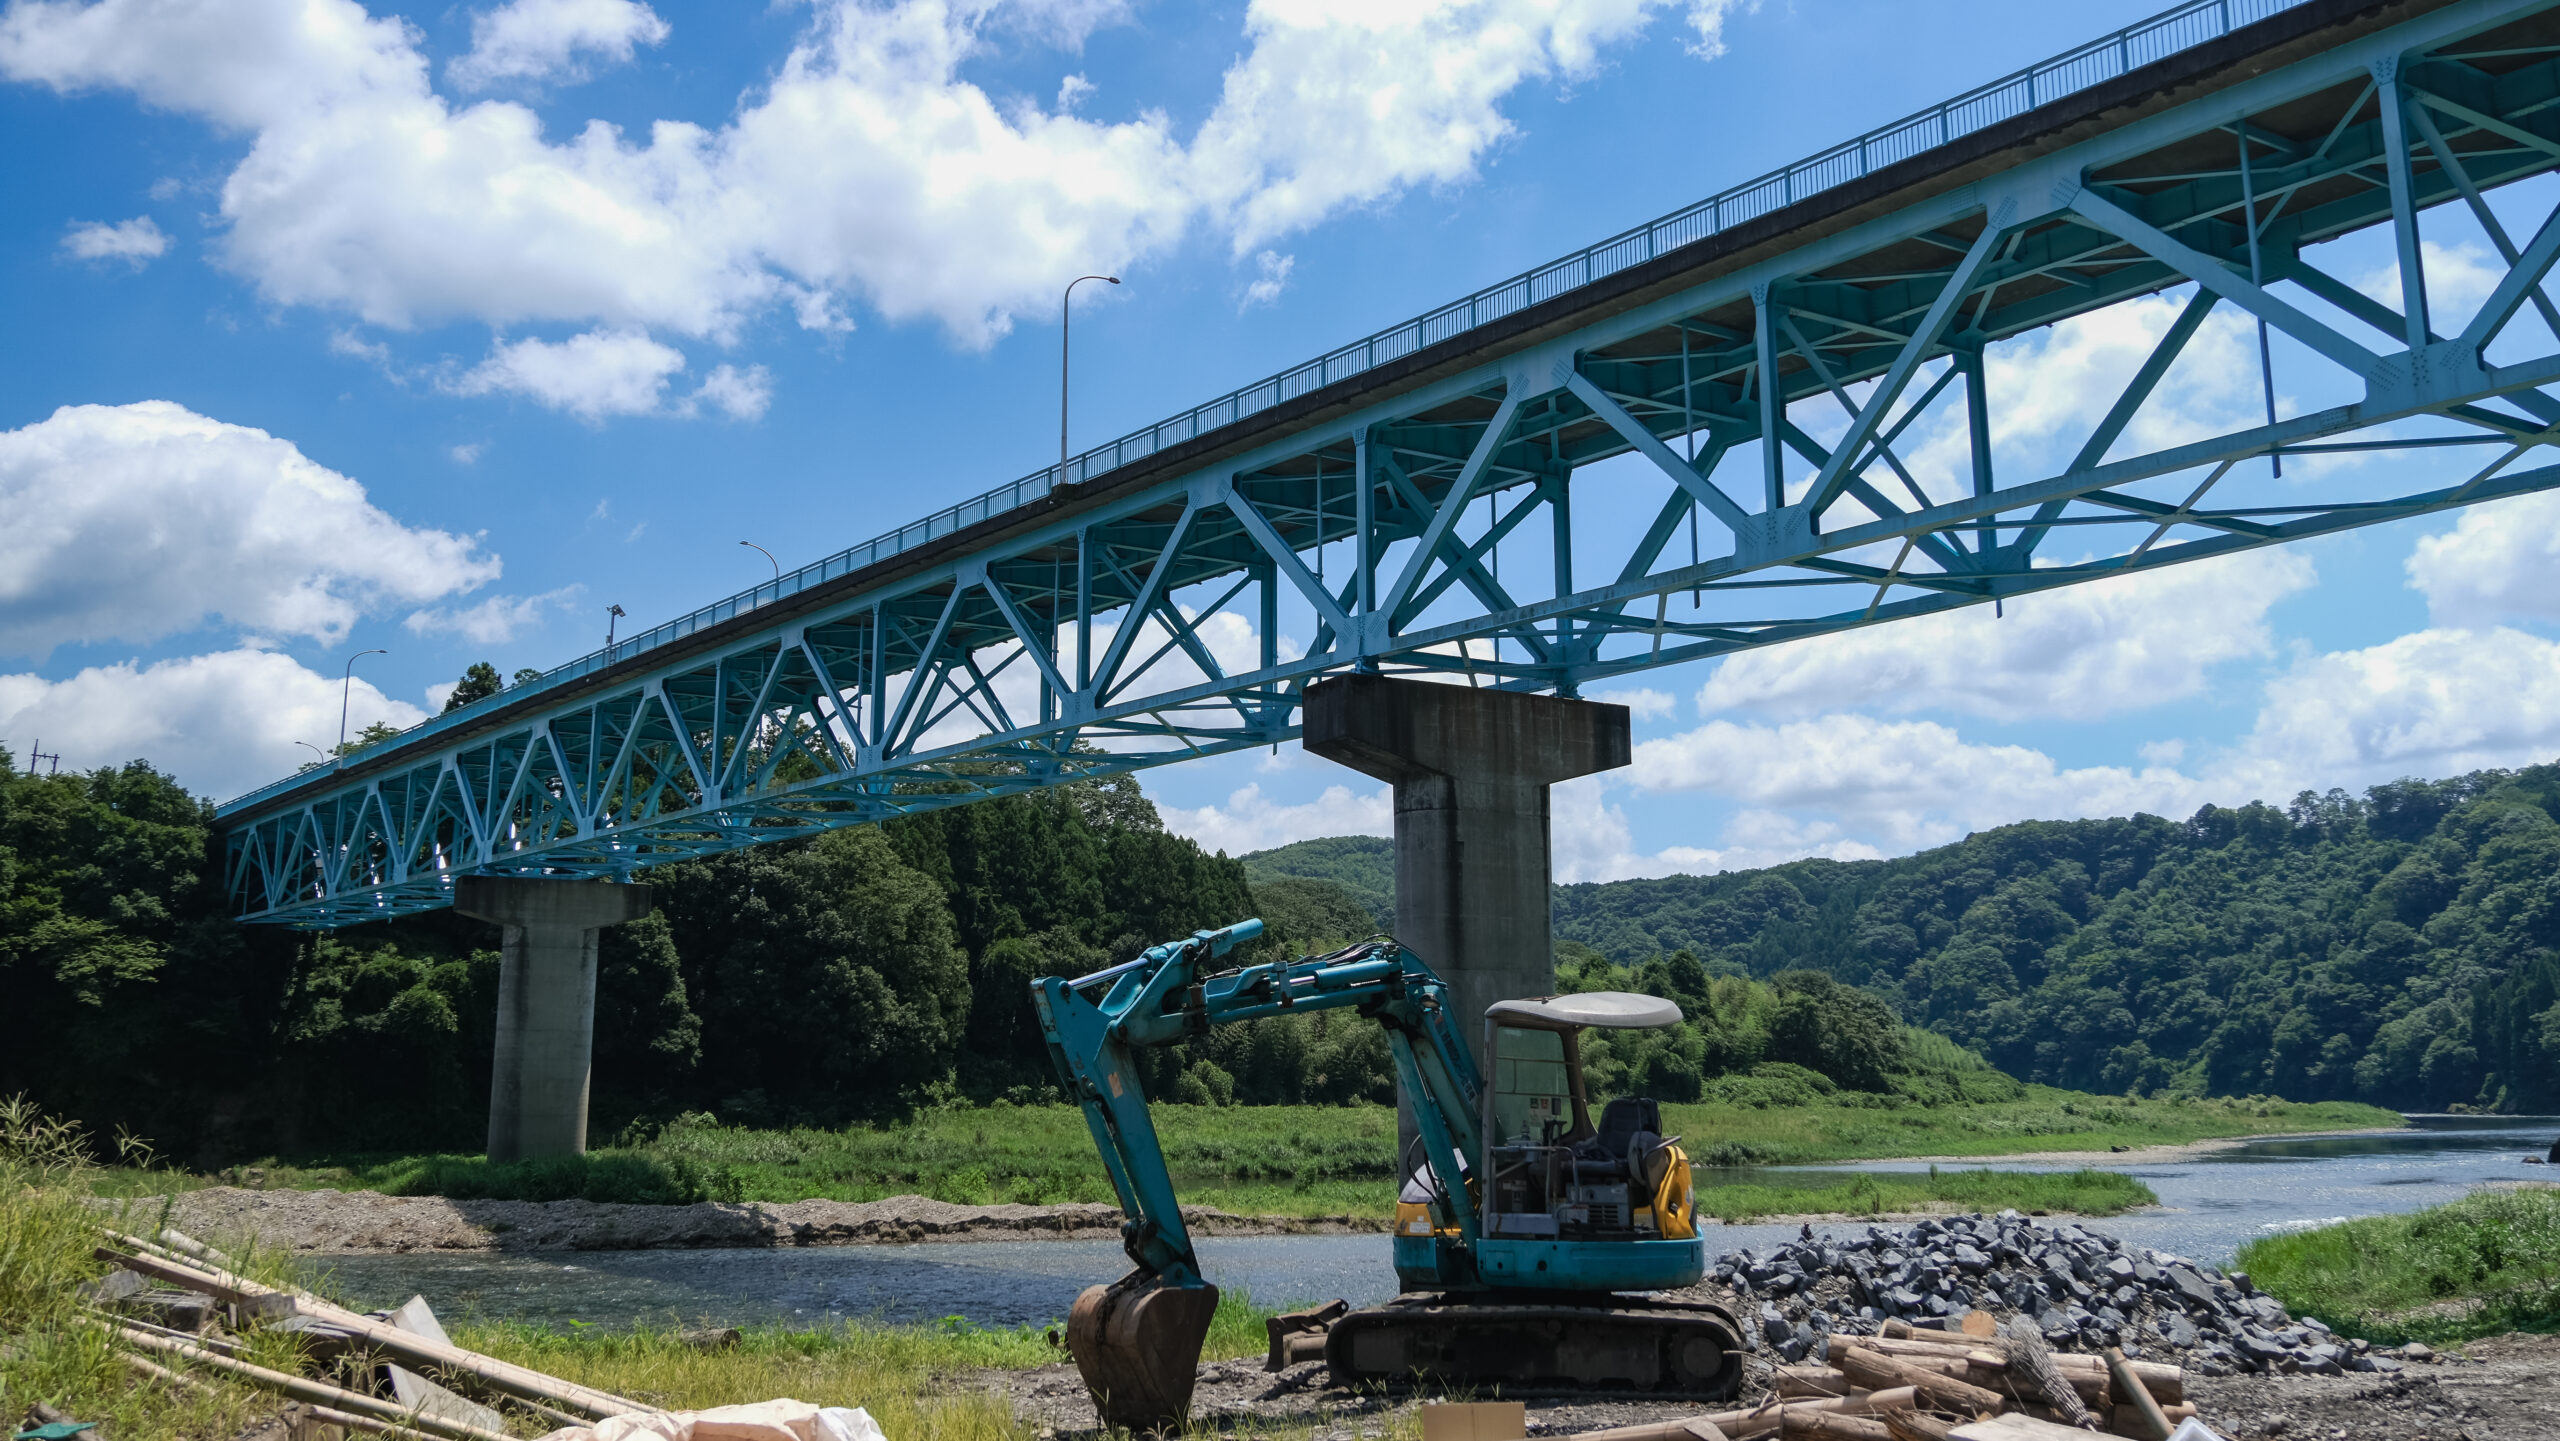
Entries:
{"x":1575,"y":1212}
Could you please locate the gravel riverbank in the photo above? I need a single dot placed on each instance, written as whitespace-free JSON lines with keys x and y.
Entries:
{"x":344,"y":1222}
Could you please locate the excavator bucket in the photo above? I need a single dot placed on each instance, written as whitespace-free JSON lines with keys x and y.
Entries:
{"x":1137,"y":1344}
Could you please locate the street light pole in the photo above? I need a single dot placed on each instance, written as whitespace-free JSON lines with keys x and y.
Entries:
{"x":346,"y":688}
{"x":1064,"y":315}
{"x":768,"y":555}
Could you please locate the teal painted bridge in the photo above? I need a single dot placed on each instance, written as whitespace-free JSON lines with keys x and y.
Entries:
{"x":1405,"y":504}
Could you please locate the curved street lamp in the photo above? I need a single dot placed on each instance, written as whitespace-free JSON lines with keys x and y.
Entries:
{"x":346,"y":688}
{"x":1064,"y":315}
{"x":768,"y":555}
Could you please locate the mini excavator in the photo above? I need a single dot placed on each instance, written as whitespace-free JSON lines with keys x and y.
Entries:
{"x":1525,"y":1233}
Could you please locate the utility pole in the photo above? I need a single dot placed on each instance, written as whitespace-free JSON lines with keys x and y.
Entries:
{"x":35,"y":753}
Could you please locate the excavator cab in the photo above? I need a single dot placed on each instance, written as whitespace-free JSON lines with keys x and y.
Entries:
{"x":1575,"y":1204}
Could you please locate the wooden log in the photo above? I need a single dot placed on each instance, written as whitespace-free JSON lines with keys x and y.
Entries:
{"x":303,"y":1388}
{"x":1812,"y":1381}
{"x":1693,"y":1428}
{"x":1765,"y":1418}
{"x":2122,"y":1422}
{"x":252,"y":1298}
{"x":1879,"y":1372}
{"x":1899,"y":1398}
{"x":2129,"y":1394}
{"x":1831,"y":1426}
{"x":1917,"y":1425}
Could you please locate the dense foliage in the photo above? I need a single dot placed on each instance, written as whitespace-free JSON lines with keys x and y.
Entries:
{"x":2400,"y":948}
{"x":846,"y":977}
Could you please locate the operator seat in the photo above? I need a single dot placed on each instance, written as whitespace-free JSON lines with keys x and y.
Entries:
{"x":1630,"y":1128}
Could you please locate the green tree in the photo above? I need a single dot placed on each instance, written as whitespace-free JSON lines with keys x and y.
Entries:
{"x":479,"y":682}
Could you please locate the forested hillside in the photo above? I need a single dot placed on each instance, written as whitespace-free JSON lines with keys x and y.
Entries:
{"x":848,"y":977}
{"x":2401,"y":948}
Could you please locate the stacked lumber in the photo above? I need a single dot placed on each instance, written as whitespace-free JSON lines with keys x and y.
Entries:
{"x":1935,"y":1385}
{"x":400,"y":1377}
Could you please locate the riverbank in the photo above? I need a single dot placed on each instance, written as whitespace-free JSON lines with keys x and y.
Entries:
{"x":1302,"y":1161}
{"x":2486,"y":1264}
{"x":368,"y":1222}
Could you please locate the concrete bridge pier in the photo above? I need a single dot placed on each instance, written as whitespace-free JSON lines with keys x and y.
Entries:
{"x":546,"y":1003}
{"x":1471,"y":770}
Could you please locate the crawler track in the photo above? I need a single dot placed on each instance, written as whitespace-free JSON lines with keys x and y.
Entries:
{"x":1690,"y":1350}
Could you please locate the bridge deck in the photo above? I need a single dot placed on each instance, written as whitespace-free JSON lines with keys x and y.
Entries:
{"x":877,"y":681}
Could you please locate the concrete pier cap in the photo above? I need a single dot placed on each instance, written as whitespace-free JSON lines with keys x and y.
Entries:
{"x":1471,"y":770}
{"x":546,"y":1003}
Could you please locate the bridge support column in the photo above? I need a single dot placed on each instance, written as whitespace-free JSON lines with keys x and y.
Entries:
{"x":546,"y":1003}
{"x":1471,"y":770}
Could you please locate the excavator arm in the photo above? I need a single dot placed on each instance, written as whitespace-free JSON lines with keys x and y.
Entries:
{"x":1138,"y":1340}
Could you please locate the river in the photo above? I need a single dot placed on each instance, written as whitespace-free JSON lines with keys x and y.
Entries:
{"x":2210,"y":1207}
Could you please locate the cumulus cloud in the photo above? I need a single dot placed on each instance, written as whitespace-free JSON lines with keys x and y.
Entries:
{"x":1646,"y":702}
{"x":223,"y":723}
{"x":2095,"y":649}
{"x":1589,"y":840}
{"x":2431,"y":703}
{"x":136,"y":242}
{"x":590,"y":376}
{"x":136,"y":522}
{"x":2499,"y":562}
{"x":737,"y":394}
{"x":1251,"y":821}
{"x":1907,"y":784}
{"x":869,"y":169}
{"x":494,"y":621}
{"x":548,"y":39}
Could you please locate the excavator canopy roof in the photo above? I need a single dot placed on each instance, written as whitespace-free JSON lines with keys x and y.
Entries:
{"x":1610,"y":1010}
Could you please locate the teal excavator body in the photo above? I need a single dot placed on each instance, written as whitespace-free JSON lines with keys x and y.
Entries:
{"x":1522,"y":1282}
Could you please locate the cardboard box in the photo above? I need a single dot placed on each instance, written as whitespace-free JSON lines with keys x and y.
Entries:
{"x":1475,"y":1421}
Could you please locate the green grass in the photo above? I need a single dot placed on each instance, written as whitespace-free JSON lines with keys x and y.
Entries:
{"x":2481,"y":1266}
{"x":1303,"y":1161}
{"x":1854,"y":1126}
{"x":2078,"y":1193}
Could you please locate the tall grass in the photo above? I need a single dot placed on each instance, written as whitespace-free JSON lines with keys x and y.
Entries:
{"x":2486,"y":1264}
{"x":47,"y":1237}
{"x":1304,"y":1161}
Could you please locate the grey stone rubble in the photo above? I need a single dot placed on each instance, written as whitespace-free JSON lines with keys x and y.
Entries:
{"x":2085,"y":1290}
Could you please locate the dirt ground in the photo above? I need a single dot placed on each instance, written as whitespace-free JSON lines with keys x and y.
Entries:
{"x":2504,"y":1388}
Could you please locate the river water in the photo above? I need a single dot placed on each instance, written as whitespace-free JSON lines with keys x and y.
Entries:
{"x":2211,"y":1206}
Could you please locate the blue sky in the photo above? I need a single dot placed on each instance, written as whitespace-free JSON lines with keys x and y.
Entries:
{"x":338,"y":327}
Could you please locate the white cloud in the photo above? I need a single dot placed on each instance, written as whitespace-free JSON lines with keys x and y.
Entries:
{"x":1707,"y":17}
{"x":1589,"y":840}
{"x":543,"y":39}
{"x":1073,"y":91}
{"x":222,"y":723}
{"x":2432,"y":703}
{"x":136,"y":242}
{"x":494,"y":621}
{"x":737,"y":394}
{"x":869,"y":168}
{"x":2094,"y":649}
{"x":1646,"y":702}
{"x":590,"y":376}
{"x":2500,"y":561}
{"x":1252,"y":821}
{"x":468,"y":453}
{"x":1906,"y":784}
{"x":136,"y":522}
{"x":1274,"y":278}
{"x":2458,"y":276}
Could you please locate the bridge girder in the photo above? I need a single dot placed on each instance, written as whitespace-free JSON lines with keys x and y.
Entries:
{"x":1109,"y":627}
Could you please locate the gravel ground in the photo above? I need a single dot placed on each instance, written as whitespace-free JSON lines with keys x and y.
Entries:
{"x":368,"y":1221}
{"x":2505,"y":1388}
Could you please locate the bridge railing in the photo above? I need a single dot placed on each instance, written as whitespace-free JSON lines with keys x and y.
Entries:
{"x":2102,"y":59}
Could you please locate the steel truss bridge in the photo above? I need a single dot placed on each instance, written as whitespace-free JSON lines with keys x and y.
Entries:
{"x":1774,"y":359}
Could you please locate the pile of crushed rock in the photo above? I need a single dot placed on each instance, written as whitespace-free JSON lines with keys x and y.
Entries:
{"x":2084,"y":1289}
